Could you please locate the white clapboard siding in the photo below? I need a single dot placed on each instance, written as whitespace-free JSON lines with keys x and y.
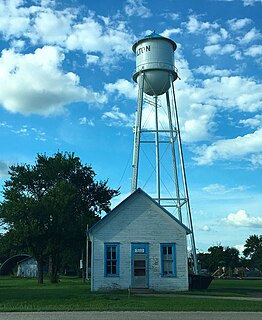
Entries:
{"x":139,"y":219}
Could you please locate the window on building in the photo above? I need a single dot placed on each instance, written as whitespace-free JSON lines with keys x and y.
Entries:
{"x":111,"y":259}
{"x":168,"y":260}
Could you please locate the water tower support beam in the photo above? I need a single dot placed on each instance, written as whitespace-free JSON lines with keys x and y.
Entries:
{"x":137,"y":131}
{"x":172,"y":142}
{"x":157,"y":152}
{"x":185,"y":183}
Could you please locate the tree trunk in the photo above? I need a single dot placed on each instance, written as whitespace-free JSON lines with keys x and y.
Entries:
{"x":40,"y":271}
{"x":54,"y":267}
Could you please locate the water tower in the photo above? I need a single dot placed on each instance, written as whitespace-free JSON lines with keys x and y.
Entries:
{"x":157,"y":128}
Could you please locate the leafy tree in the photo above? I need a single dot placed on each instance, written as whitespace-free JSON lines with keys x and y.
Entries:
{"x":219,"y":256}
{"x":48,"y":205}
{"x":253,"y":249}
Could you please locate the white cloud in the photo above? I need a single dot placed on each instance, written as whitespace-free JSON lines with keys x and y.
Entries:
{"x":34,"y":83}
{"x":253,"y":123}
{"x":13,"y":20}
{"x":242,"y":219}
{"x":206,"y":228}
{"x":123,"y":87}
{"x":254,"y":51}
{"x":240,"y":247}
{"x":231,"y":149}
{"x":212,"y":71}
{"x":251,"y":35}
{"x":256,"y":160}
{"x":237,"y":24}
{"x":216,"y":49}
{"x":50,"y":26}
{"x":221,"y":189}
{"x":92,"y":59}
{"x":251,"y":2}
{"x":85,"y":121}
{"x":217,"y":36}
{"x":110,"y":43}
{"x":108,"y":38}
{"x":238,"y":92}
{"x":117,"y":118}
{"x":137,"y":8}
{"x":171,"y":15}
{"x":169,"y":32}
{"x":195,"y":26}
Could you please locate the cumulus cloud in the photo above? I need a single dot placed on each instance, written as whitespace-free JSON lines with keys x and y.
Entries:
{"x":169,"y":32}
{"x":195,"y":26}
{"x":251,"y":35}
{"x":242,"y":147}
{"x":35,"y":83}
{"x":254,"y":51}
{"x":217,"y":36}
{"x":242,"y":219}
{"x":238,"y":92}
{"x":122,"y":87}
{"x":213,"y":71}
{"x":51,"y":26}
{"x":251,"y":2}
{"x":117,"y":118}
{"x":97,"y":36}
{"x":253,"y":123}
{"x":110,"y":42}
{"x":13,"y":20}
{"x":217,"y":49}
{"x":237,"y":24}
{"x":137,"y":8}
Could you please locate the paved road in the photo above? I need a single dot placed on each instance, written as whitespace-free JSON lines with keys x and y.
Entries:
{"x":131,"y":315}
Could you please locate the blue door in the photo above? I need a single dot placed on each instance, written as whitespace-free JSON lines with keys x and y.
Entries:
{"x":139,"y":268}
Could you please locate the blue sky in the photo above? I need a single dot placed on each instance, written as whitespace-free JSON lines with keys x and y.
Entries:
{"x":66,"y":84}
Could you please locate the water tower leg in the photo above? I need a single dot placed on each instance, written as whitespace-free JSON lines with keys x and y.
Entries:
{"x":195,"y":267}
{"x":137,"y":131}
{"x":172,"y":143}
{"x":157,"y":152}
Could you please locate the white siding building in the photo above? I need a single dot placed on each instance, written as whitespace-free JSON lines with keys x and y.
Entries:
{"x":139,"y":245}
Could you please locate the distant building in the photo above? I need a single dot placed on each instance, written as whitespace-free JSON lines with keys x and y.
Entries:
{"x":27,"y":268}
{"x":139,"y":244}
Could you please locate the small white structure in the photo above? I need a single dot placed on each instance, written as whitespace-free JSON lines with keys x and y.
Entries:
{"x":139,"y":244}
{"x":27,"y":268}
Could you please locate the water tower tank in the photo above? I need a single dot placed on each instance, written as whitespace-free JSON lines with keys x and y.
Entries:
{"x":155,"y":58}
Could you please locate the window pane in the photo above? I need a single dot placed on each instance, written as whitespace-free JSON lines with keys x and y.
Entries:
{"x":108,"y":252}
{"x":169,"y":250}
{"x":139,"y":272}
{"x":113,"y":269}
{"x":140,"y":264}
{"x":114,"y":253}
{"x":164,"y":250}
{"x":169,"y":267}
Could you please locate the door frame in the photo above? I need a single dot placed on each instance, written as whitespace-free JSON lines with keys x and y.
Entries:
{"x":142,"y":249}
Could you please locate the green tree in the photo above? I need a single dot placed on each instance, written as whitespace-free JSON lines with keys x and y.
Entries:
{"x":253,"y":250}
{"x":48,"y":205}
{"x":219,"y":256}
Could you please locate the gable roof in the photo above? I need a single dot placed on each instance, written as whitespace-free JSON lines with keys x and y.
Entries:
{"x":127,"y":199}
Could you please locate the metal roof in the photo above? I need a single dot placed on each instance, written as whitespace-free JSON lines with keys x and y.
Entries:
{"x":156,"y":36}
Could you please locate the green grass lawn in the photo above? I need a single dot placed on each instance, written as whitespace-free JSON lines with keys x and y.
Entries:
{"x":72,"y":294}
